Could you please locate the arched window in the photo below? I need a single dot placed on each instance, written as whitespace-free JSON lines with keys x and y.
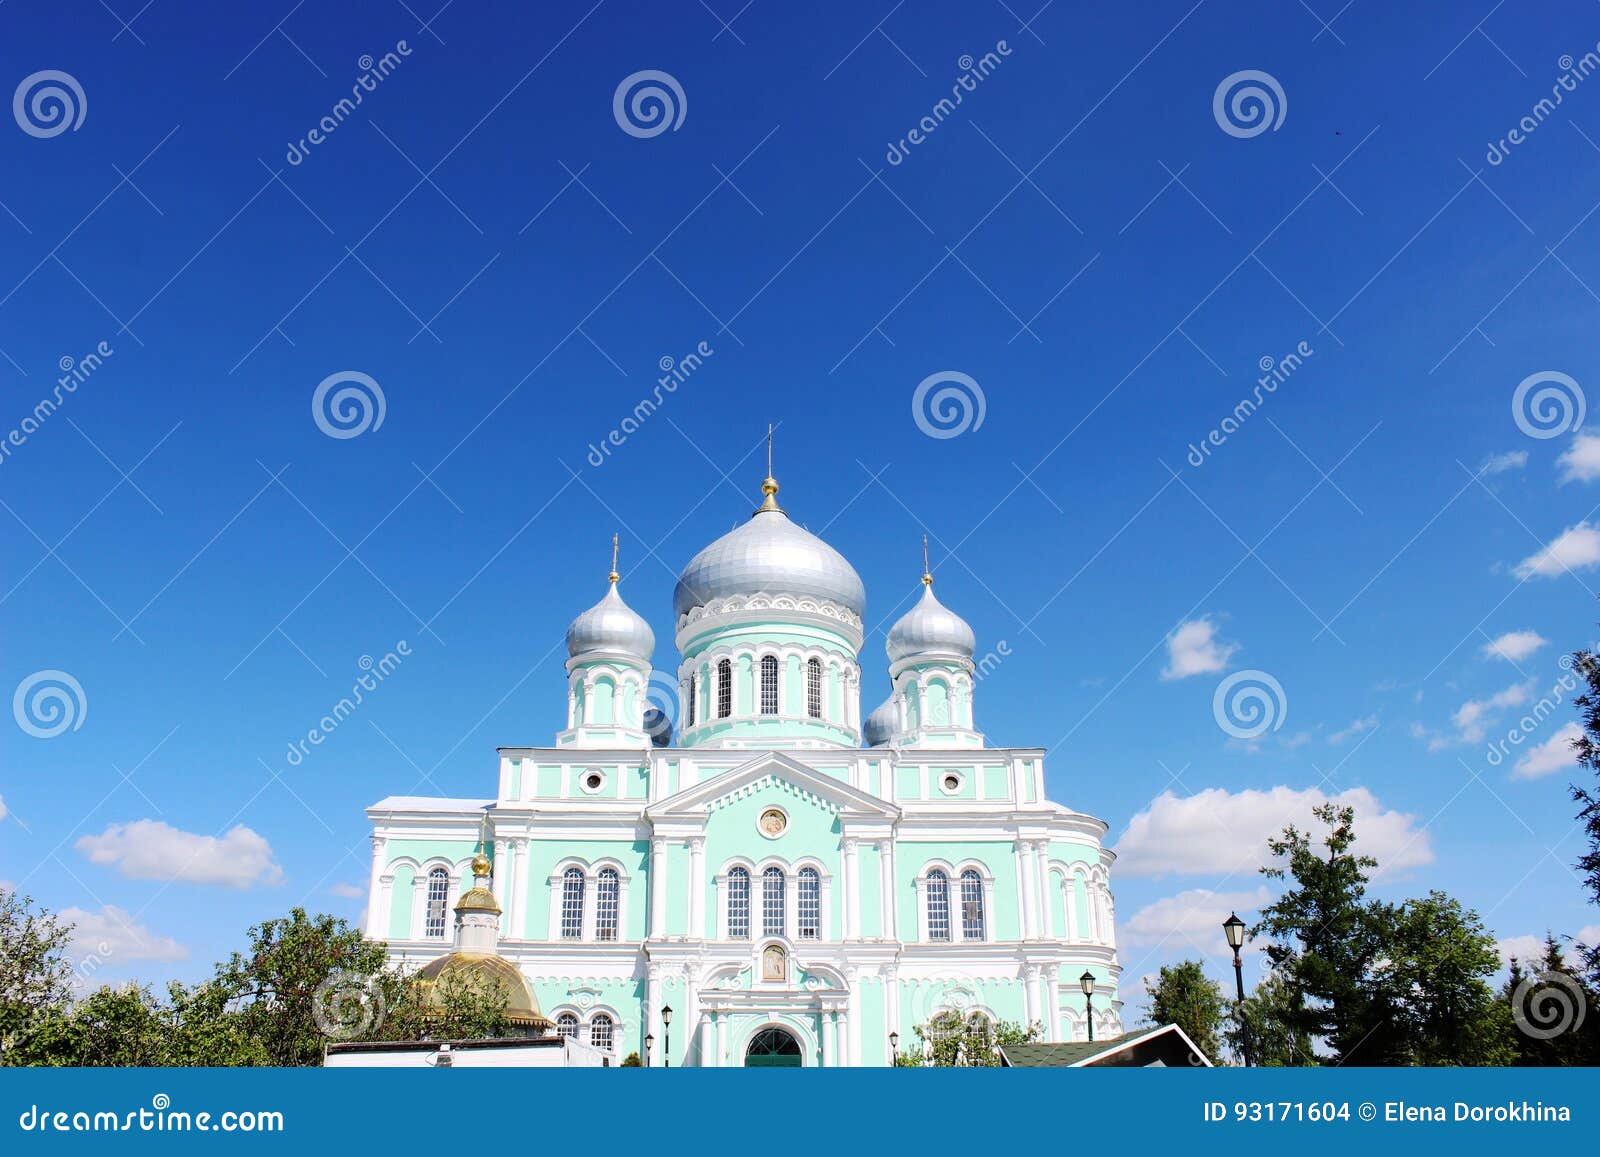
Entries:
{"x":772,"y":888}
{"x":809,"y":905}
{"x":602,"y":1032}
{"x":572,"y":904}
{"x":814,"y":688}
{"x":971,"y":905}
{"x":938,"y":892}
{"x":769,"y":684}
{"x":694,"y":686}
{"x":567,"y":1025}
{"x":606,"y":896}
{"x":738,"y":904}
{"x":438,"y":893}
{"x":724,"y":689}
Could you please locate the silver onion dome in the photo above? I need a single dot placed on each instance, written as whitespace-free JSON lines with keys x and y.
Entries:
{"x":611,"y":627}
{"x":880,"y":725}
{"x":769,"y":555}
{"x":931,"y":629}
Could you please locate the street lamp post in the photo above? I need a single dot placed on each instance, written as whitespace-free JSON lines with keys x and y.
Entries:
{"x":894,"y":1048}
{"x":649,"y":1041}
{"x":666,"y":1033}
{"x":1233,"y":929}
{"x":1086,"y":982}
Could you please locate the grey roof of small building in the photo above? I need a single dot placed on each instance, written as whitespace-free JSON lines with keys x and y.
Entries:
{"x":1040,"y":1056}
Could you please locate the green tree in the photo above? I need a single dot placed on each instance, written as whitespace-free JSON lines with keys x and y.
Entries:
{"x":1587,"y":749}
{"x":459,"y":1006}
{"x":1547,"y":996}
{"x":1185,"y":996}
{"x":35,"y":975}
{"x":950,"y":1040}
{"x":1274,"y":1017}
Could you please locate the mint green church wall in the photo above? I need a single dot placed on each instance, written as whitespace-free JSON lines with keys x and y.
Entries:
{"x":400,"y":904}
{"x":544,"y":855}
{"x":996,"y":855}
{"x":813,"y":832}
{"x":677,"y":856}
{"x":874,"y":1043}
{"x":869,"y":870}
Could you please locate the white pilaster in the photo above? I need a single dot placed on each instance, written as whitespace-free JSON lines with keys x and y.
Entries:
{"x":377,"y":892}
{"x":658,"y":888}
{"x":697,"y":887}
{"x":852,"y":891}
{"x":519,"y":898}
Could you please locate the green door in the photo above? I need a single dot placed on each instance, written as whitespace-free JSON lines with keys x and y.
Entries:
{"x":773,"y":1048}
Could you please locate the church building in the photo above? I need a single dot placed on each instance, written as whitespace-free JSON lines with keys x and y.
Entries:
{"x":773,"y":879}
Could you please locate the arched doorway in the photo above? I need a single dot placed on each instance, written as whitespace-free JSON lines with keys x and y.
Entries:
{"x":773,"y":1048}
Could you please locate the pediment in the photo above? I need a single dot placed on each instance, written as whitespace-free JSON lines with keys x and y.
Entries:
{"x":772,"y":770}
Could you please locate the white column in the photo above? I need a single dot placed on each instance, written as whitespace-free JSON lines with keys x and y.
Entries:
{"x":691,"y":1012}
{"x":1050,"y":998}
{"x":658,"y":887}
{"x":830,"y":1040}
{"x":378,"y":904}
{"x":722,"y":1039}
{"x":500,"y":882}
{"x":519,"y":899}
{"x":852,"y":891}
{"x":1041,"y":886}
{"x":708,"y":1048}
{"x":697,"y":887}
{"x":891,"y":891}
{"x":1030,"y":991}
{"x":853,"y":1018}
{"x":1025,"y":870}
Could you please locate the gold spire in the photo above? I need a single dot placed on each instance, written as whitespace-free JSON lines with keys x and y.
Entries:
{"x":613,"y":576}
{"x":769,"y":484}
{"x":480,"y":862}
{"x":927,"y":572}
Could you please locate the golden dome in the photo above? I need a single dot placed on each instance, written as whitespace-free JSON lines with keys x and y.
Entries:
{"x":482,"y":971}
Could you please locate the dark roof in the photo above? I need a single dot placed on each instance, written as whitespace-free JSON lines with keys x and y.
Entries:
{"x":1035,"y":1056}
{"x":1166,"y":1044}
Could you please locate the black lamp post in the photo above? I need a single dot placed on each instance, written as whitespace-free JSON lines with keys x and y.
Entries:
{"x":649,"y":1041}
{"x":894,"y":1048}
{"x":666,"y":1033}
{"x":1233,"y":929}
{"x":1086,"y":982}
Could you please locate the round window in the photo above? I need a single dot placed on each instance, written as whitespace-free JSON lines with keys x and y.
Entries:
{"x":950,"y":783}
{"x":593,"y":780}
{"x":773,"y":823}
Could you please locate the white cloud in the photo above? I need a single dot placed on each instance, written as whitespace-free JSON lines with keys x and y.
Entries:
{"x":1190,"y":921}
{"x":1500,"y":463}
{"x":347,"y":891}
{"x":1530,"y":949}
{"x":1581,"y":461}
{"x":1194,"y":649}
{"x":1217,"y":831}
{"x":152,"y":850}
{"x":1514,"y":646}
{"x":1357,"y":727}
{"x":1554,"y":754}
{"x":1472,"y":718}
{"x":1573,"y":549}
{"x":111,"y":934}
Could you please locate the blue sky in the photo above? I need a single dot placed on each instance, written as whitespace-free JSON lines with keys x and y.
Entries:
{"x":1081,"y":237}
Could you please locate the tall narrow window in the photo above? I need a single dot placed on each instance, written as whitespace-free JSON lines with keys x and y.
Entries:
{"x":438,"y":893}
{"x":724,"y":689}
{"x":808,"y":908}
{"x":602,"y":1032}
{"x":814,"y":688}
{"x":971,"y":905}
{"x":772,"y":888}
{"x":938,"y":893}
{"x":607,"y":893}
{"x":769,"y":684}
{"x":738,"y":904}
{"x":572,"y":904}
{"x":567,"y":1025}
{"x":693,"y":687}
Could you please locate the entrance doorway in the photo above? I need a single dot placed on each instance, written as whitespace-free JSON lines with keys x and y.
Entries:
{"x":773,"y":1048}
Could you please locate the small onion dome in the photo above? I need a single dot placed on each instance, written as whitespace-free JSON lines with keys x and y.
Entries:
{"x":880,"y":725}
{"x":658,"y":727}
{"x":930,"y":629}
{"x":611,"y":627}
{"x":478,"y":898}
{"x":483,"y":972}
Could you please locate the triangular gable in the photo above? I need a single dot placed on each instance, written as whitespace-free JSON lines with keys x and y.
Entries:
{"x":738,"y":781}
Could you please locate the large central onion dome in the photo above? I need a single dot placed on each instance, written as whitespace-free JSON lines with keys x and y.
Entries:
{"x":769,"y":555}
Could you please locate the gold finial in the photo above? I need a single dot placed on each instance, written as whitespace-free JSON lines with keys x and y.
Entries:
{"x":480,"y":862}
{"x":927,"y":572}
{"x":769,"y":484}
{"x":614,"y":576}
